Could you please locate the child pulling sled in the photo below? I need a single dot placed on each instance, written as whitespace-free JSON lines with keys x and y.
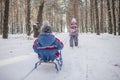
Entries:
{"x":73,"y":32}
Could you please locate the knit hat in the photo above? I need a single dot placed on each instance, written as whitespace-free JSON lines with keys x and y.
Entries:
{"x":46,"y":27}
{"x":73,"y":20}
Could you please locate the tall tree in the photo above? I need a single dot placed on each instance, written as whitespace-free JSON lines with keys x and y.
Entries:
{"x":1,"y":15}
{"x":119,"y":20}
{"x":75,"y":8}
{"x":86,"y":16}
{"x":101,"y":18}
{"x":6,"y":18}
{"x":91,"y":15}
{"x":97,"y":18}
{"x":114,"y":17}
{"x":109,"y":18}
{"x":81,"y":17}
{"x":39,"y":19}
{"x":28,"y":28}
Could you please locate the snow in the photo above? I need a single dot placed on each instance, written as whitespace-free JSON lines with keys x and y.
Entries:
{"x":96,"y":58}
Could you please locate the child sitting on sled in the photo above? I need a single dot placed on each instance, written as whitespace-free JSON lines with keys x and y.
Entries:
{"x":47,"y":46}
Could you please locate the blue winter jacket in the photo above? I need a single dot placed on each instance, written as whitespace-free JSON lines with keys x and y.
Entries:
{"x":47,"y":45}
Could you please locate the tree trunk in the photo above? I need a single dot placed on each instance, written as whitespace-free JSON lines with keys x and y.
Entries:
{"x":39,"y":18}
{"x":97,"y":18}
{"x":91,"y":15}
{"x":28,"y":28}
{"x":101,"y":18}
{"x":6,"y":18}
{"x":1,"y":19}
{"x":86,"y":16}
{"x":35,"y":29}
{"x":75,"y":9}
{"x":61,"y":23}
{"x":81,"y":18}
{"x":109,"y":18}
{"x":119,"y":20}
{"x":114,"y":18}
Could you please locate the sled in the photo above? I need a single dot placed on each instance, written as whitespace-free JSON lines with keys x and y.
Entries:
{"x":58,"y":62}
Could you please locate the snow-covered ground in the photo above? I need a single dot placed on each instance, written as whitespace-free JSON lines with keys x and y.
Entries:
{"x":96,"y":58}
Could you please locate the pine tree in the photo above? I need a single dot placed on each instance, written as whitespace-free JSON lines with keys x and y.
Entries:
{"x":97,"y":18}
{"x":109,"y":18}
{"x":6,"y":18}
{"x":28,"y":28}
{"x":114,"y":19}
{"x":119,"y":20}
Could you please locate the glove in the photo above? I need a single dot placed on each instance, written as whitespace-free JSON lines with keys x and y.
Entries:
{"x":38,"y":55}
{"x":57,"y":54}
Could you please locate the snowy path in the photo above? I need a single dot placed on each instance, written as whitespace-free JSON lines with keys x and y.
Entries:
{"x":97,"y":58}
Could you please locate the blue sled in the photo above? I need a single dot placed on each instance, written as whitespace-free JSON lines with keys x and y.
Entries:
{"x":58,"y":62}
